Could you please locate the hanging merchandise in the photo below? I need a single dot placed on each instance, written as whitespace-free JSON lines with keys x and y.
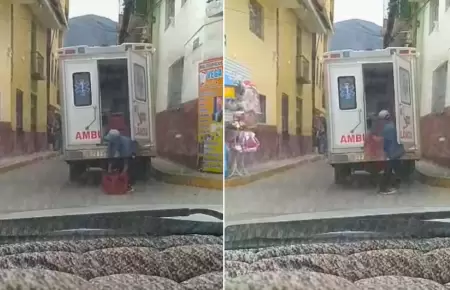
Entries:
{"x":245,"y":111}
{"x":249,"y":97}
{"x":245,"y":106}
{"x":225,"y":161}
{"x":248,"y":141}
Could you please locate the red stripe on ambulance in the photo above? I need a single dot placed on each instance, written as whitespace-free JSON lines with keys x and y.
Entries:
{"x":87,"y":135}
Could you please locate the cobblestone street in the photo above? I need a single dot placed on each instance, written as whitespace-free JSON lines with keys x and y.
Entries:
{"x":44,"y":185}
{"x":310,"y":188}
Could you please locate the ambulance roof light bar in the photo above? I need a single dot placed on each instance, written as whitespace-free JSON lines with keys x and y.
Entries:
{"x":85,"y":49}
{"x":339,"y":54}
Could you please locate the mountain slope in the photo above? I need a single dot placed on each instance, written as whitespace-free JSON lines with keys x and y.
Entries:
{"x":356,"y":34}
{"x":91,"y":30}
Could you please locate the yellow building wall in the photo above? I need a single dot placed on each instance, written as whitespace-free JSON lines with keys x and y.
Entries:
{"x":54,"y":71}
{"x":252,"y":52}
{"x":260,"y":56}
{"x":22,"y":68}
{"x":287,"y":74}
{"x":319,"y":82}
{"x":306,"y":96}
{"x":322,"y":46}
{"x":57,"y":43}
{"x":5,"y":61}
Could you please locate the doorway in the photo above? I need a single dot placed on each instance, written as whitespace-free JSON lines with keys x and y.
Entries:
{"x":285,"y":148}
{"x":299,"y":122}
{"x":379,"y":89}
{"x":33,"y":123}
{"x":114,"y":95}
{"x":19,"y":144}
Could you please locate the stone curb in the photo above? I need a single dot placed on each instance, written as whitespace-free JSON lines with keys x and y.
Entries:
{"x":188,"y":180}
{"x":20,"y":164}
{"x":217,"y":184}
{"x":239,"y":181}
{"x":435,"y":181}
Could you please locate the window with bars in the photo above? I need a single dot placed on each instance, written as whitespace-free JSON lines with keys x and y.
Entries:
{"x":170,"y":12}
{"x":175,"y":83}
{"x":439,"y":83}
{"x":262,"y":104}
{"x":434,"y":14}
{"x":256,"y":24}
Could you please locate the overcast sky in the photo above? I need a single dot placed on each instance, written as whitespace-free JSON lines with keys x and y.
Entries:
{"x":105,"y":8}
{"x":370,"y":10}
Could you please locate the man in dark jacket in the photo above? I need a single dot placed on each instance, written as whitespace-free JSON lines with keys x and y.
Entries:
{"x":393,"y":151}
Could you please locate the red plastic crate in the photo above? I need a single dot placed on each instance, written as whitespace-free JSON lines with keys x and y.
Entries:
{"x":115,"y":183}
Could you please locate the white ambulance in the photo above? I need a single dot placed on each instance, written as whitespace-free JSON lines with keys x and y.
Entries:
{"x":359,"y":84}
{"x":99,"y":85}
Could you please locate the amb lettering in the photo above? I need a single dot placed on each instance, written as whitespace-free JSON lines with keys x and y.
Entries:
{"x":87,"y":135}
{"x":352,"y":138}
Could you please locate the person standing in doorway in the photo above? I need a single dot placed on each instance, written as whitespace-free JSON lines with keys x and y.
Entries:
{"x":50,"y":130}
{"x":322,"y":135}
{"x":57,"y":133}
{"x":393,"y":152}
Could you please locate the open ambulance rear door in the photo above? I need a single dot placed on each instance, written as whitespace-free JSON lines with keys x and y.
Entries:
{"x":82,"y":118}
{"x":142,"y":121}
{"x":405,"y":101}
{"x":346,"y":107}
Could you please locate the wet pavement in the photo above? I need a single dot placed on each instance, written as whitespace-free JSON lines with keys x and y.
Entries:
{"x":311,"y":188}
{"x":44,"y":185}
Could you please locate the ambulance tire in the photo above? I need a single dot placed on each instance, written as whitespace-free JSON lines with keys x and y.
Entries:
{"x":408,"y":169}
{"x":341,"y":174}
{"x":143,"y":168}
{"x":76,"y":170}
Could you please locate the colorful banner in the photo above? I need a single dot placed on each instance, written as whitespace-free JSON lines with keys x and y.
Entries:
{"x":210,"y":115}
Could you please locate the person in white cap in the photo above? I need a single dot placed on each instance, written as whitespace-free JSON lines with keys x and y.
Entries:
{"x":393,"y":151}
{"x":121,"y":152}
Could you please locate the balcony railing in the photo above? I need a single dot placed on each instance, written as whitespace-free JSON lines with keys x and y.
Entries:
{"x":49,"y":13}
{"x":303,"y":70}
{"x":37,"y":66}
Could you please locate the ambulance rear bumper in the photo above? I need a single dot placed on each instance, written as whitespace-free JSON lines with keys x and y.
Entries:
{"x":344,"y":158}
{"x":100,"y":153}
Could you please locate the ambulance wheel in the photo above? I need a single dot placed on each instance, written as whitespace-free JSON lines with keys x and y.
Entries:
{"x":76,"y":170}
{"x":408,"y":167}
{"x":143,"y":168}
{"x":341,"y":174}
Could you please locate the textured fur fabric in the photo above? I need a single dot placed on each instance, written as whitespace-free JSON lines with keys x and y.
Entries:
{"x":380,"y":265}
{"x":173,"y":262}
